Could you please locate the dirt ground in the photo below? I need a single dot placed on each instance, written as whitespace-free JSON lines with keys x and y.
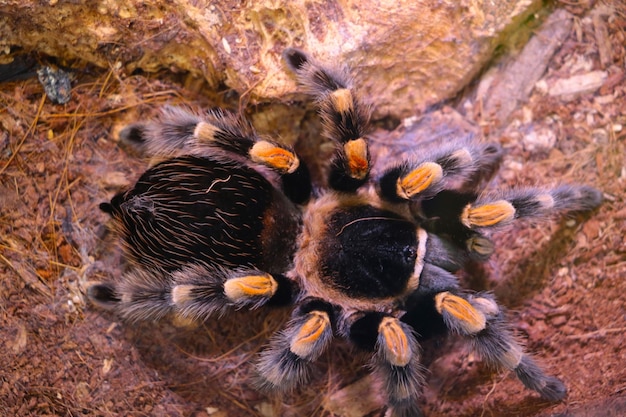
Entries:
{"x":563,"y":282}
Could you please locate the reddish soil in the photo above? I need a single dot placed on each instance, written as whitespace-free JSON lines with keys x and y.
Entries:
{"x":563,"y":282}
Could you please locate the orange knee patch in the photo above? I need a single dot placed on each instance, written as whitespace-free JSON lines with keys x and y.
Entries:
{"x":396,"y":342}
{"x":419,"y":179}
{"x":250,"y":286}
{"x":274,"y":156}
{"x":471,"y":319}
{"x":317,"y":324}
{"x":356,"y":154}
{"x":489,"y":214}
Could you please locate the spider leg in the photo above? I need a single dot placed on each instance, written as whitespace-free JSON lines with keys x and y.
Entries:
{"x":461,"y":167}
{"x":439,"y":304}
{"x":286,"y":363}
{"x":195,"y":292}
{"x":480,"y":319}
{"x":493,"y":211}
{"x":344,"y":118}
{"x":461,"y":220}
{"x":217,"y":132}
{"x":396,"y":358}
{"x":200,"y":292}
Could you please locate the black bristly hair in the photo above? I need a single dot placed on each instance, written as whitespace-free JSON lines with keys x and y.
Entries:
{"x":368,"y":252}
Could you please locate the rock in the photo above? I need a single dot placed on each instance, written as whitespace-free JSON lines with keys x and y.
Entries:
{"x":406,"y":55}
{"x":115,"y":180}
{"x":511,"y":84}
{"x":539,"y":140}
{"x":569,"y":88}
{"x":355,"y":400}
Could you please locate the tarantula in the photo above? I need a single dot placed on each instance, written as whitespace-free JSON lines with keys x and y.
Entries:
{"x":228,"y":219}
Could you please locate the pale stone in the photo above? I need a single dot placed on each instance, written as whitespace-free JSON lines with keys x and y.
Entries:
{"x":356,"y":400}
{"x":539,"y":140}
{"x":578,"y":84}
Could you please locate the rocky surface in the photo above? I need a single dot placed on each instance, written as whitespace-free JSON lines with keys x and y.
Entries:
{"x":423,"y":51}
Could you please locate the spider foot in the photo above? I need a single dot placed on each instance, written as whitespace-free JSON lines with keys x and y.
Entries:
{"x":531,"y":375}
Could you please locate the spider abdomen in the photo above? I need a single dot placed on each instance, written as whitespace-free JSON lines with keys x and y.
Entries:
{"x":208,"y":211}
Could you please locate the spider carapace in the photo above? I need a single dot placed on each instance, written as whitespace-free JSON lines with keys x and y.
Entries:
{"x":228,"y":219}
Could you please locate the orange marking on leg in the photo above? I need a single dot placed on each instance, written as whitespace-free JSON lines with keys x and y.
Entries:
{"x":250,"y":286}
{"x":316,"y":325}
{"x":396,"y":345}
{"x":471,"y":319}
{"x":205,"y":131}
{"x":274,"y":156}
{"x":419,"y":179}
{"x":342,"y":100}
{"x":489,"y":214}
{"x":356,"y":154}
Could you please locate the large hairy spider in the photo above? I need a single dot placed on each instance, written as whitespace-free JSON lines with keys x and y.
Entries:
{"x":227,"y":219}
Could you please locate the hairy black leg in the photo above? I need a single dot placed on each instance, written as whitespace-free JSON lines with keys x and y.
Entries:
{"x":501,"y":209}
{"x":200,"y":291}
{"x":480,"y":319}
{"x":345,"y":119}
{"x":141,"y":294}
{"x":460,"y":219}
{"x":179,"y":131}
{"x":498,"y":347}
{"x":439,"y":305}
{"x":460,"y":167}
{"x":194,"y":292}
{"x":421,"y":314}
{"x":395,"y":360}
